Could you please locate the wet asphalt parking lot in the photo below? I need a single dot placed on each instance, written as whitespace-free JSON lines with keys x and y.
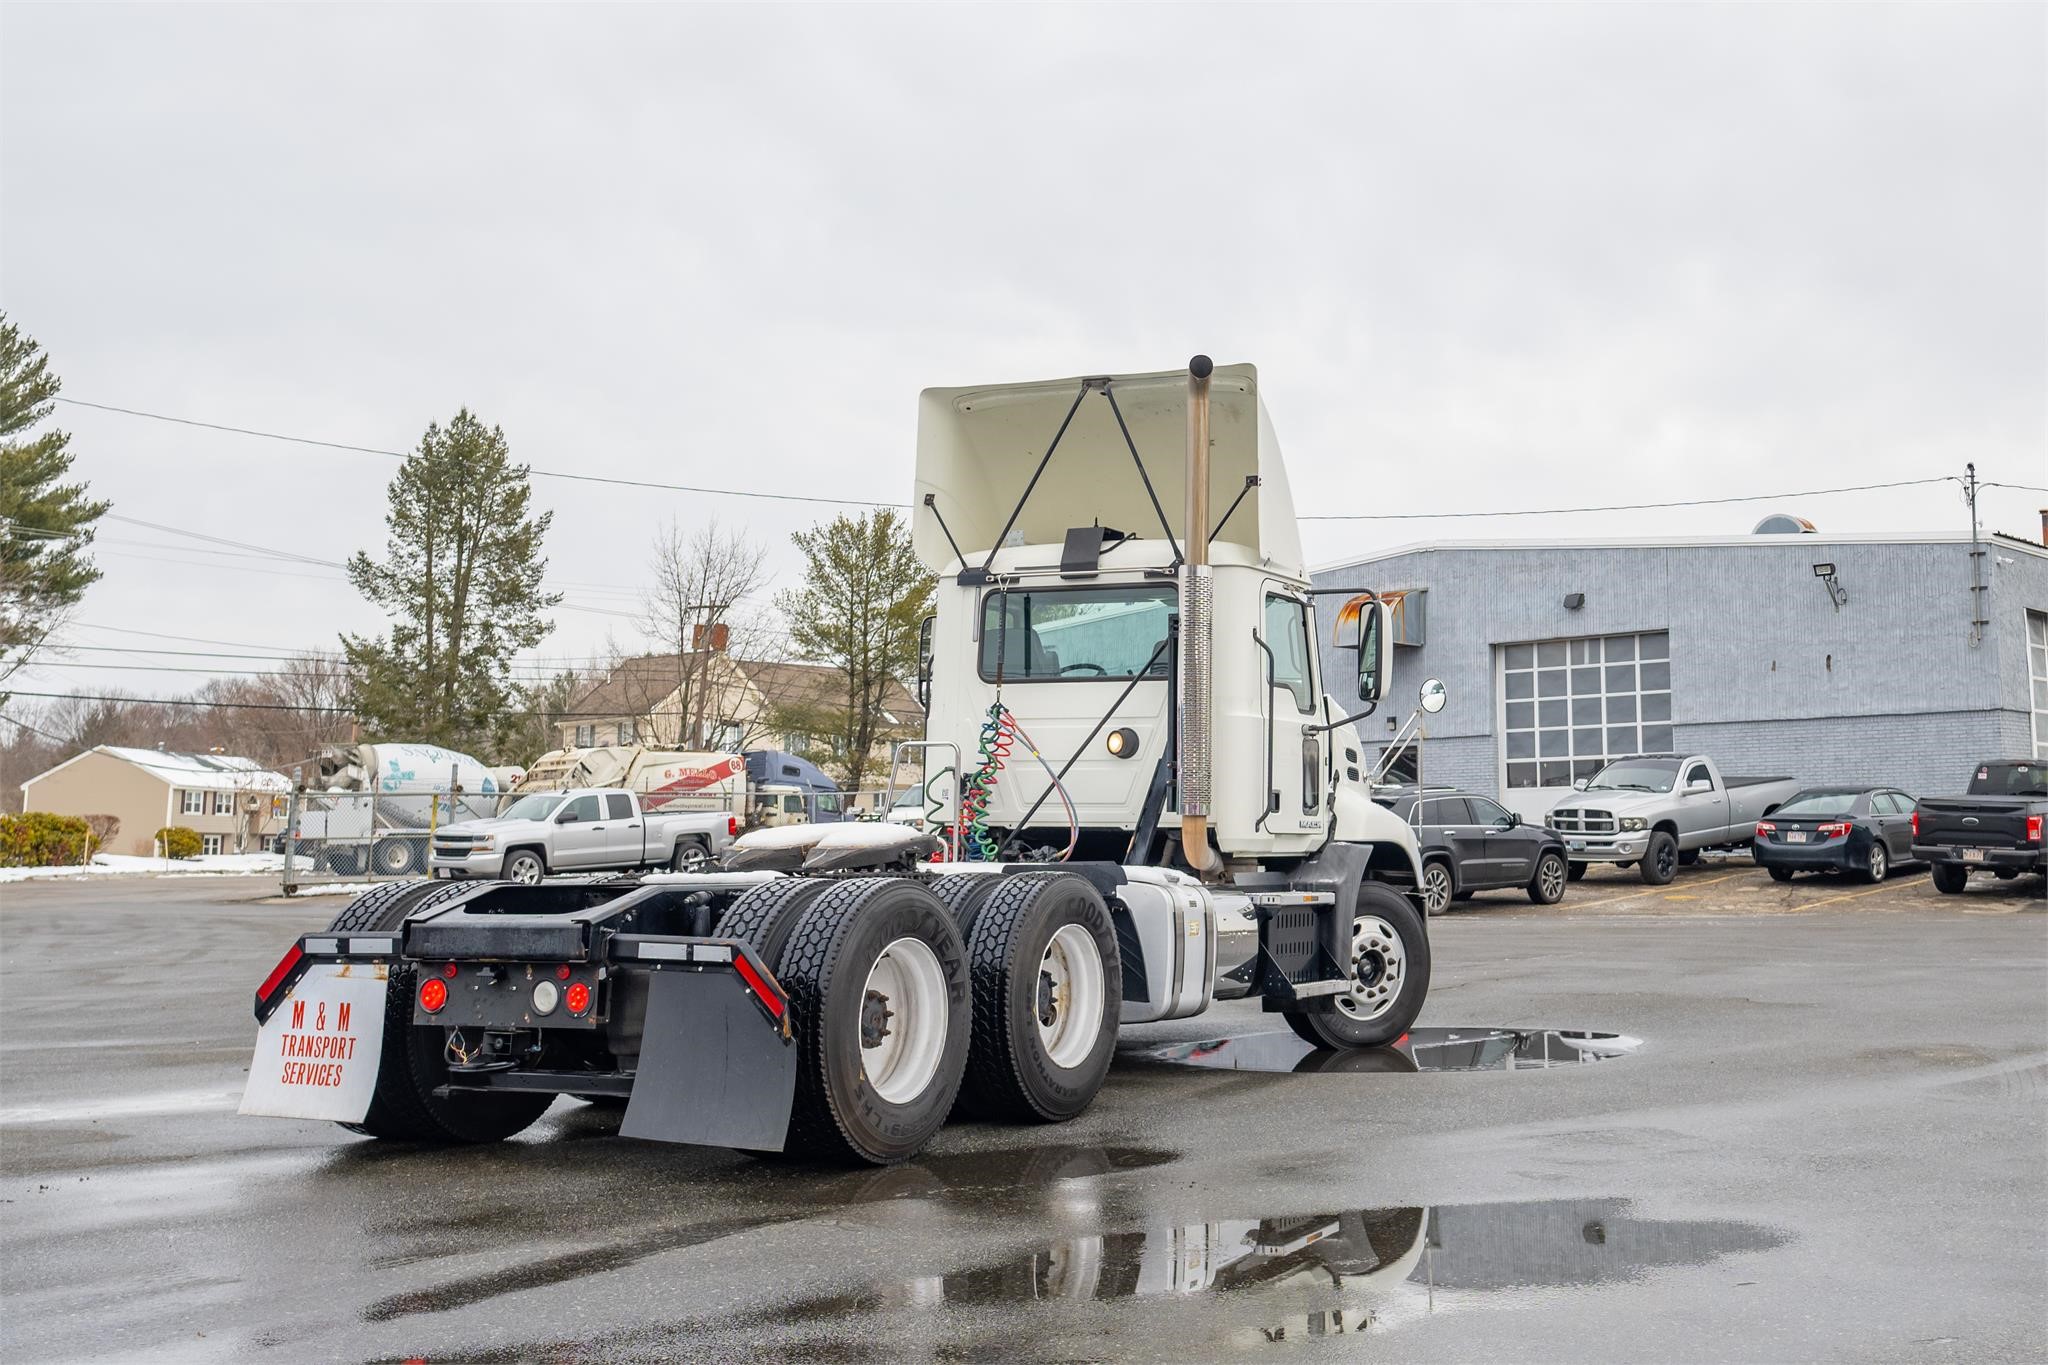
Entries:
{"x":1822,"y":1136}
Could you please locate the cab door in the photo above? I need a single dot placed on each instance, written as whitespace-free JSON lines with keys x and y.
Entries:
{"x":1297,"y":799}
{"x":579,"y":838}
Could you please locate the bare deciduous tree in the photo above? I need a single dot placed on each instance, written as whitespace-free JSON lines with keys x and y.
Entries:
{"x":703,"y":614}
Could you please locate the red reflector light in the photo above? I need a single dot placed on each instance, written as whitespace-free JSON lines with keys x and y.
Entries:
{"x":278,"y":973}
{"x":562,"y":972}
{"x":771,"y":999}
{"x":1764,"y":827}
{"x":577,"y":998}
{"x":732,"y":826}
{"x":448,"y":969}
{"x":433,"y":994}
{"x":2033,"y":829}
{"x":1833,"y":830}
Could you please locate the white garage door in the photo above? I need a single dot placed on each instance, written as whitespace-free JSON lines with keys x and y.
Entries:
{"x":1568,"y":706}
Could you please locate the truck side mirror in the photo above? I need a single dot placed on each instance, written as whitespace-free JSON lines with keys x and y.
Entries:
{"x":924,"y":662}
{"x":567,"y":817}
{"x":1375,"y":650}
{"x":1699,"y":784}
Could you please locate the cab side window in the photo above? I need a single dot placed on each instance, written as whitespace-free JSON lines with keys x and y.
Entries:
{"x":1697,"y":773}
{"x":619,"y":805}
{"x":828,"y":802}
{"x":1446,"y":810}
{"x":583,"y":809}
{"x":1286,"y":634}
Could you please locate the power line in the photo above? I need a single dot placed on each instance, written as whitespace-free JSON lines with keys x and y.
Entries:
{"x":537,"y":473}
{"x":1623,"y":507}
{"x":859,"y":502}
{"x":201,"y":705}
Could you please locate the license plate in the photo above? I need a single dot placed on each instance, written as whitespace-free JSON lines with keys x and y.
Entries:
{"x":1973,"y":855}
{"x":316,"y":1057}
{"x":1795,"y":836}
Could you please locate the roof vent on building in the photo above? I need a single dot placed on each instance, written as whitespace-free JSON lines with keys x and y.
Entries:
{"x":1784,"y":524}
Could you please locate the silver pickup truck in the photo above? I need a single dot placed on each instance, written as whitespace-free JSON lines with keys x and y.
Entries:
{"x":591,"y":829}
{"x":1659,"y":810}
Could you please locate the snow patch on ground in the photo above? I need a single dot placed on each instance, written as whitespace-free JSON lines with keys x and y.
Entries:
{"x":122,"y":864}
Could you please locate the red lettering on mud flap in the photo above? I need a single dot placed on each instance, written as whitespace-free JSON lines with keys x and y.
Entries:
{"x":318,"y":1060}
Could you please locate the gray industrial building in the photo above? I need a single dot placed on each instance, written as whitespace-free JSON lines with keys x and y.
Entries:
{"x":1827,"y":658}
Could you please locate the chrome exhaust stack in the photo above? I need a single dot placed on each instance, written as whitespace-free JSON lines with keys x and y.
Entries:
{"x":1197,"y":635}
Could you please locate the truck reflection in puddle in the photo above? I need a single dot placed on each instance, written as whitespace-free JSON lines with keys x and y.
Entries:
{"x":1270,"y":1279}
{"x":1422,"y":1049}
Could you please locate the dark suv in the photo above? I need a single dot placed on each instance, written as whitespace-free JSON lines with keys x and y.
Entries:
{"x":1473,"y":843}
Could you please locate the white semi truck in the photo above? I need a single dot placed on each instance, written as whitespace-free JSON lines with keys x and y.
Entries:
{"x":1162,"y":806}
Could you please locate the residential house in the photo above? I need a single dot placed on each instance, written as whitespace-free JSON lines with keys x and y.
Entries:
{"x":227,"y":801}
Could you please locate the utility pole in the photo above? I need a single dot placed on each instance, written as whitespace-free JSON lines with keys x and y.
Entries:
{"x":1977,"y":618}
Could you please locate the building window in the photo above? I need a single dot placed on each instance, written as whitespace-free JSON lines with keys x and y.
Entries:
{"x":192,"y":803}
{"x":223,"y":803}
{"x":586,"y":736}
{"x":628,"y":733}
{"x":209,"y":843}
{"x":1569,"y":706}
{"x":2037,"y":677}
{"x":725,"y":736}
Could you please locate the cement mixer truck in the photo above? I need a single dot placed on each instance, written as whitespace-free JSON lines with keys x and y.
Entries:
{"x":1160,"y":806}
{"x":370,"y":808}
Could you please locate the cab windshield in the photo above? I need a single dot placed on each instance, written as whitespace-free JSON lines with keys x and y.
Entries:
{"x":1075,"y":634}
{"x":534,"y":807}
{"x":1636,"y":775}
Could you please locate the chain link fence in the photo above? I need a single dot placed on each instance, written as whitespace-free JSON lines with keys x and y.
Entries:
{"x":368,"y":836}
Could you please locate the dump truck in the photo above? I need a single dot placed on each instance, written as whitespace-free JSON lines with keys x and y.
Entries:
{"x":1161,"y":806}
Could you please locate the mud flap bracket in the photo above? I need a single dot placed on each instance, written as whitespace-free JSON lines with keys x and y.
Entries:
{"x":712,"y":1071}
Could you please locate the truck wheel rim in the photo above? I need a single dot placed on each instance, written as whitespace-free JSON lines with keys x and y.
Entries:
{"x":1379,"y":966}
{"x":1069,"y":997}
{"x":1877,"y":862}
{"x":1553,"y":879}
{"x":1667,"y":859}
{"x":526,"y":871}
{"x":903,"y":1020}
{"x":691,"y":859}
{"x":1436,"y":888}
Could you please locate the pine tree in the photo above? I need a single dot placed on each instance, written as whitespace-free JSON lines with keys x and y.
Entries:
{"x":461,"y":580}
{"x":863,"y":595}
{"x":45,"y":524}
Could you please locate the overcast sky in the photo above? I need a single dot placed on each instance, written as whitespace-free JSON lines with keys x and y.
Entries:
{"x":1484,"y":257}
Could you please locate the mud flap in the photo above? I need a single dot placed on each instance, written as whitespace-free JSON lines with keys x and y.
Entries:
{"x":713,"y":1070}
{"x":317,"y":1054}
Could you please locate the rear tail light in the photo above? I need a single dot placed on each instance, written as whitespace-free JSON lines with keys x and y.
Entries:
{"x":1764,"y":828}
{"x":562,"y":972}
{"x":577,"y":997}
{"x":1916,"y":824}
{"x":449,"y":969}
{"x":433,"y":994}
{"x":2033,"y":829}
{"x":278,"y":973}
{"x":1834,"y":830}
{"x":732,"y":827}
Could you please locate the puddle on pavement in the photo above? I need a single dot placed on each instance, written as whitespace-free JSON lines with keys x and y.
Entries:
{"x":1325,"y":1273}
{"x":1422,"y":1049}
{"x":1005,"y":1181}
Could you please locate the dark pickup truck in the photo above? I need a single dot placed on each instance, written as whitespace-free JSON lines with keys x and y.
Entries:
{"x":1996,"y":828}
